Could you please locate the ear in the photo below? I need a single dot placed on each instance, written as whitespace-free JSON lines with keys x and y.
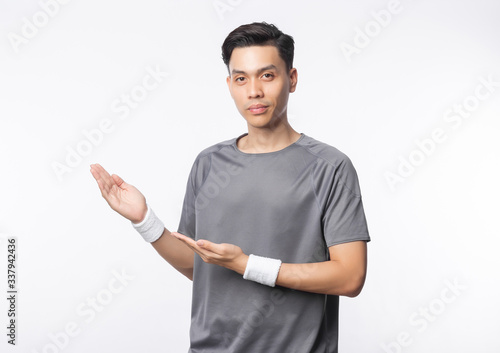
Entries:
{"x":293,"y":75}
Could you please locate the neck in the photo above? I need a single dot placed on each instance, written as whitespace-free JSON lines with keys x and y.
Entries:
{"x":268,"y":139}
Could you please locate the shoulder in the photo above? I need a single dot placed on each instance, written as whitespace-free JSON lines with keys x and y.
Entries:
{"x":216,"y":147}
{"x":325,"y":153}
{"x":205,"y":154}
{"x":331,"y":164}
{"x":203,"y":162}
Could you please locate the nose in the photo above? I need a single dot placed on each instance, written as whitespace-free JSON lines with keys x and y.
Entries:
{"x":255,"y":89}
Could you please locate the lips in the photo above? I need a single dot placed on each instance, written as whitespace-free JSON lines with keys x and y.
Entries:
{"x":257,"y":108}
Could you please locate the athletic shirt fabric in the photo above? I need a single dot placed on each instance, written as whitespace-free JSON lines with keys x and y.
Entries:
{"x":291,"y":205}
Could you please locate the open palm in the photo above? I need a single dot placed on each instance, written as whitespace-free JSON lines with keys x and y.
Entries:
{"x":124,"y":198}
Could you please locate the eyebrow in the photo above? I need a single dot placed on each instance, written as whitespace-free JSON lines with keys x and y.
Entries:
{"x":268,"y":67}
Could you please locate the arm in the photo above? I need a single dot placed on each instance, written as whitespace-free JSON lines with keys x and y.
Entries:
{"x":344,"y":274}
{"x":176,"y":253}
{"x":129,"y":202}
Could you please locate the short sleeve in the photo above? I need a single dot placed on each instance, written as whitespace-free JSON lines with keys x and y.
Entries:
{"x":343,"y":217}
{"x":197,"y":175}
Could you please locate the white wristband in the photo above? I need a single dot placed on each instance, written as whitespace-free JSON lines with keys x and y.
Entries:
{"x":263,"y":270}
{"x":151,"y":227}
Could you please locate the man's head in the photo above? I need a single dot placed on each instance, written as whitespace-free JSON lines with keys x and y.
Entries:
{"x":259,"y":59}
{"x":259,"y":34}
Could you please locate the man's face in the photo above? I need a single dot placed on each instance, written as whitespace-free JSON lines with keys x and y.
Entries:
{"x":260,"y":84}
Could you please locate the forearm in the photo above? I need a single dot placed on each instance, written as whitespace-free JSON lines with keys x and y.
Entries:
{"x":344,"y":274}
{"x":328,"y":277}
{"x":176,"y":253}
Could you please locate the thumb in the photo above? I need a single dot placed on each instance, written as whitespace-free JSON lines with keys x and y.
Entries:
{"x":208,"y":245}
{"x":119,"y":181}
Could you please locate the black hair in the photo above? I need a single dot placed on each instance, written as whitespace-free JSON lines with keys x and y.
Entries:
{"x":260,"y":34}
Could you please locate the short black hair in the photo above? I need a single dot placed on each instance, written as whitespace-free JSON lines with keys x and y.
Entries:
{"x":260,"y":34}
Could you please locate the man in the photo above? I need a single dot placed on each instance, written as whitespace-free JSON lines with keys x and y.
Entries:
{"x":272,"y":229}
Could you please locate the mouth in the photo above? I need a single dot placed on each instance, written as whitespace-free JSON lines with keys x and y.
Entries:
{"x":257,"y":108}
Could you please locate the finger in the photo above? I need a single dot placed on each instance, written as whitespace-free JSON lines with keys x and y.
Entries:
{"x":106,"y":181}
{"x":119,"y":181}
{"x":102,"y":188}
{"x":205,"y":244}
{"x":200,"y":244}
{"x":100,"y":171}
{"x":184,"y":238}
{"x":98,"y":179}
{"x":97,"y":171}
{"x":194,"y":245}
{"x":214,"y":248}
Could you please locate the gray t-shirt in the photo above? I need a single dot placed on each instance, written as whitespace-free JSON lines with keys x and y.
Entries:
{"x":291,"y":205}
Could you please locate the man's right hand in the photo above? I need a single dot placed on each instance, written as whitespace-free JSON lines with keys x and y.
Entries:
{"x":121,"y":197}
{"x":131,"y":204}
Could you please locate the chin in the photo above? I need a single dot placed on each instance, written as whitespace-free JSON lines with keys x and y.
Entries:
{"x":258,"y":120}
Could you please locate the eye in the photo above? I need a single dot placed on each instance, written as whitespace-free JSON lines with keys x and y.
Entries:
{"x":239,"y":79}
{"x":268,"y":75}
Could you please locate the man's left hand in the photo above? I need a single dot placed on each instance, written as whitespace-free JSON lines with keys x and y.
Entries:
{"x":226,"y":255}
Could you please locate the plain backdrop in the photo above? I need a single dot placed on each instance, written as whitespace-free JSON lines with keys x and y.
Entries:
{"x":409,"y":90}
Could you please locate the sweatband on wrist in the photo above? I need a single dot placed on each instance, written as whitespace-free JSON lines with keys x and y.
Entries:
{"x":151,"y":227}
{"x":263,"y":270}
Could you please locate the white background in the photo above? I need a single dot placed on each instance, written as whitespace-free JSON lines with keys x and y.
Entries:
{"x":434,"y":227}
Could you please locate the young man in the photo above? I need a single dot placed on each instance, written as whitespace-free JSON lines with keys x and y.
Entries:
{"x":272,"y":229}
